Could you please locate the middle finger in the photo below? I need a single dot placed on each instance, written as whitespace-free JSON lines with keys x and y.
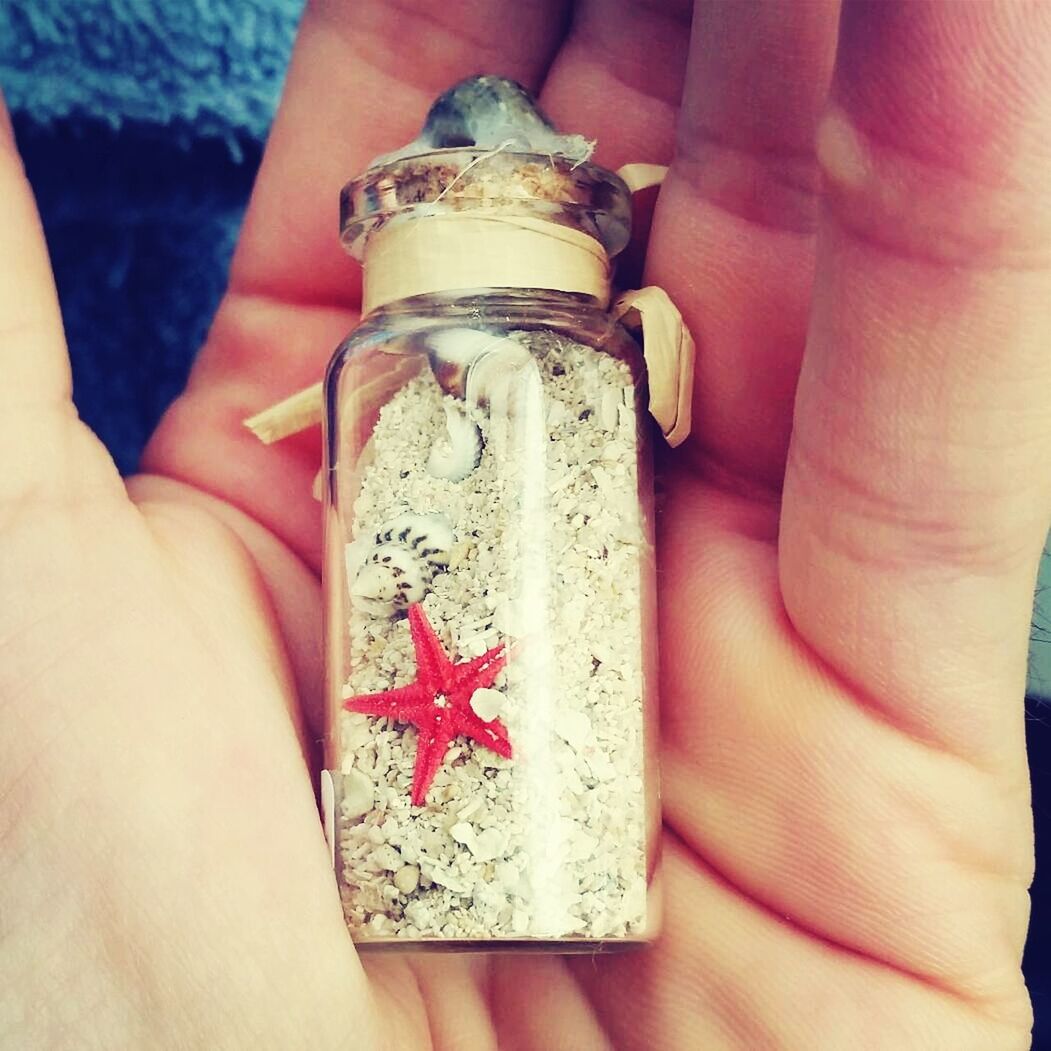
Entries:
{"x":618,"y":77}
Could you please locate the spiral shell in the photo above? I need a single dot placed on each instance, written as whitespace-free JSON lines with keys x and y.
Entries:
{"x":399,"y":566}
{"x":456,"y":457}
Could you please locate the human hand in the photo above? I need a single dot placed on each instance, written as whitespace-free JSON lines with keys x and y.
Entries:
{"x":847,"y":844}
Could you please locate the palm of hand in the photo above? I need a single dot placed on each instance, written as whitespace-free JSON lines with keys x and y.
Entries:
{"x":846,"y":846}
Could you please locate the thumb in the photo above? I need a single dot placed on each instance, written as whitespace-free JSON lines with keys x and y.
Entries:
{"x":44,"y":449}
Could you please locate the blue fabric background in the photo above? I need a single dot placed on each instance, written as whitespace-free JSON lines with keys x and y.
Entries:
{"x":141,"y":123}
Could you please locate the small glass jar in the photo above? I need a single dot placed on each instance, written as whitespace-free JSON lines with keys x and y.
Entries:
{"x":490,"y":773}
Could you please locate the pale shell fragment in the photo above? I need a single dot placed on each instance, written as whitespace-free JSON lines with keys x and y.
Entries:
{"x":574,"y":728}
{"x":485,"y":845}
{"x":487,"y":704}
{"x":608,"y":412}
{"x":444,"y":877}
{"x":357,"y":794}
{"x":407,"y":878}
{"x":508,"y":876}
{"x":490,"y":843}
{"x":463,"y":833}
{"x":387,"y":858}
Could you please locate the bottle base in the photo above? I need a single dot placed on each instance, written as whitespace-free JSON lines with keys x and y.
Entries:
{"x":488,"y":946}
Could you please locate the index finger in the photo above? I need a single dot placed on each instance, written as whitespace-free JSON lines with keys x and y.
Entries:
{"x":362,"y":77}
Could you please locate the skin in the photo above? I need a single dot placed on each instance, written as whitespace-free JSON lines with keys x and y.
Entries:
{"x":860,"y":240}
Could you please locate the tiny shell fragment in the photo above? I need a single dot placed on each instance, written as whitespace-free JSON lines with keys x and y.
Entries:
{"x":487,"y":703}
{"x":574,"y":728}
{"x":490,"y":843}
{"x":463,"y":833}
{"x":407,"y":878}
{"x":387,"y":858}
{"x":609,"y":409}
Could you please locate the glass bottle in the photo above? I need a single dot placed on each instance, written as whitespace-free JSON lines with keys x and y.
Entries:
{"x":490,"y":769}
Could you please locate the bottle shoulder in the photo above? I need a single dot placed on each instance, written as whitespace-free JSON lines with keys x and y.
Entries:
{"x":409,"y":328}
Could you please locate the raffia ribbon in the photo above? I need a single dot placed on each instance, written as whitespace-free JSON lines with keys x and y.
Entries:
{"x":526,"y":253}
{"x":642,"y":176}
{"x":296,"y":413}
{"x":464,"y":250}
{"x":669,"y":351}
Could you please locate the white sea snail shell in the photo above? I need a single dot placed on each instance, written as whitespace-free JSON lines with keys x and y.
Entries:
{"x":478,"y":366}
{"x":400,"y":566}
{"x":456,"y":457}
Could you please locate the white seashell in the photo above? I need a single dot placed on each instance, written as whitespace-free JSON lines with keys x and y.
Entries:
{"x":399,"y":568}
{"x":457,"y":457}
{"x":477,"y":366}
{"x":390,"y":579}
{"x":430,"y":535}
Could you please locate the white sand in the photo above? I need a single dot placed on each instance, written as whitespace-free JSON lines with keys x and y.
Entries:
{"x":549,"y":844}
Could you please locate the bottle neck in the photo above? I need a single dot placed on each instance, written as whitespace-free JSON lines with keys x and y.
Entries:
{"x":469,"y":251}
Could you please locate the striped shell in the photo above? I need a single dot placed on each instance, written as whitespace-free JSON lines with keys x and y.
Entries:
{"x":398,"y":567}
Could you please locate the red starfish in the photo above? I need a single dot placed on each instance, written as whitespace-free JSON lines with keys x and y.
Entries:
{"x":438,"y":703}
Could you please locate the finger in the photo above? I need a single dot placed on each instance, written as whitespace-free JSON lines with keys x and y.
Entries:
{"x":618,"y":77}
{"x":361,"y":80}
{"x":916,"y":499}
{"x":42,"y":445}
{"x":32,"y":349}
{"x":731,"y":974}
{"x":362,"y":77}
{"x":732,"y":238}
{"x":812,"y":805}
